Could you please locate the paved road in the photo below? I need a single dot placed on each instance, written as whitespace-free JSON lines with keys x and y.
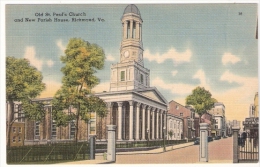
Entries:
{"x":220,"y":151}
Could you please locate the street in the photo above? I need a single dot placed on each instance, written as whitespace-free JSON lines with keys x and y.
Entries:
{"x":219,"y":151}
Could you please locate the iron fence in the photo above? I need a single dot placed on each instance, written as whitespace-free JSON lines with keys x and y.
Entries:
{"x":248,"y":148}
{"x":48,"y":153}
{"x":138,"y":144}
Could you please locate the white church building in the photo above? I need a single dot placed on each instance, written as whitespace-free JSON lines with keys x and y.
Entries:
{"x":138,"y":110}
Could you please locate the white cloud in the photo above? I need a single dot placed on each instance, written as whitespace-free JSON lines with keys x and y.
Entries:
{"x":60,"y":45}
{"x":30,"y":55}
{"x":172,"y":54}
{"x":109,"y":57}
{"x":104,"y":86}
{"x":179,"y":88}
{"x":174,"y":72}
{"x":200,"y":74}
{"x":237,"y":99}
{"x":230,"y":77}
{"x":51,"y":87}
{"x":229,"y":58}
{"x":49,"y":63}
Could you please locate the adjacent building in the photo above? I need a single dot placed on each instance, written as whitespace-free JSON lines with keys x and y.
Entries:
{"x":17,"y":129}
{"x":251,"y":124}
{"x":205,"y":118}
{"x":174,"y":127}
{"x":187,"y":114}
{"x":218,"y":111}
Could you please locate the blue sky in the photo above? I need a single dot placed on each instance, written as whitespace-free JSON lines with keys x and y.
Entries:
{"x":185,"y":45}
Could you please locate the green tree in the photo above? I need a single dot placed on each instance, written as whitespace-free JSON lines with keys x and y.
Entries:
{"x":23,"y":82}
{"x":201,"y":101}
{"x":170,"y":133}
{"x":82,"y":60}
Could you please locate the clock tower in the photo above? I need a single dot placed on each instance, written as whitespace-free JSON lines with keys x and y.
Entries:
{"x":131,"y":46}
{"x":130,"y":72}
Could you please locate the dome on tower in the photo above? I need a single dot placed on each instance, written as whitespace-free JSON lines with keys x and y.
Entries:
{"x":132,"y":9}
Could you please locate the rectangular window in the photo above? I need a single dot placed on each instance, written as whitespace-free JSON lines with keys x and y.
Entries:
{"x":20,"y":114}
{"x":19,"y":129}
{"x":181,"y":114}
{"x":19,"y":139}
{"x":37,"y":128}
{"x":14,"y":129}
{"x":14,"y":139}
{"x":122,"y":75}
{"x":72,"y":130}
{"x":142,"y":78}
{"x":53,"y":129}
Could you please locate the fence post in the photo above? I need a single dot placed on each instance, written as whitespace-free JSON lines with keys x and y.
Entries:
{"x":92,"y":146}
{"x":235,"y":144}
{"x":203,"y":157}
{"x":111,"y":143}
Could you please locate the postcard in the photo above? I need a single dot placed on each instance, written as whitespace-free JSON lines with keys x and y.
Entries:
{"x":133,"y":83}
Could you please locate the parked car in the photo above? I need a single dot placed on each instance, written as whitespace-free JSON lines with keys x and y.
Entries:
{"x":197,"y":141}
{"x":217,"y":138}
{"x":210,"y":138}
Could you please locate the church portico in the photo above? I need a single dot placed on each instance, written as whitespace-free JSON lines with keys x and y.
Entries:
{"x":134,"y":116}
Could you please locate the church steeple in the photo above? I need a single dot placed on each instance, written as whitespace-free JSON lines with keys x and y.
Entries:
{"x":131,"y":45}
{"x":130,"y":72}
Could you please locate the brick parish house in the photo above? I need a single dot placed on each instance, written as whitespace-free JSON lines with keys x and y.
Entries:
{"x":187,"y":114}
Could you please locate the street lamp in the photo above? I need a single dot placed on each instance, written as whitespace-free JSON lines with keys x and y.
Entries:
{"x":164,"y":132}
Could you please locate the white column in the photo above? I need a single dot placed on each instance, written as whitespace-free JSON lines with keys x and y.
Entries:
{"x":119,"y":120}
{"x":131,"y":117}
{"x":125,"y":29}
{"x":153,"y":112}
{"x":148,"y":121}
{"x":131,"y":28}
{"x":140,"y":32}
{"x":161,"y":127}
{"x":109,"y":114}
{"x":157,"y":123}
{"x":137,"y":30}
{"x":143,"y":122}
{"x":137,"y":121}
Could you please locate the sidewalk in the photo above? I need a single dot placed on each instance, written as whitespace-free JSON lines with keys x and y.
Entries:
{"x":99,"y":156}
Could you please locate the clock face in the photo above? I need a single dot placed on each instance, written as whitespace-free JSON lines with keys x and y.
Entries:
{"x":126,"y":54}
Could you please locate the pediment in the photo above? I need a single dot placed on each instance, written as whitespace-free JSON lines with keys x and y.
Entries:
{"x":153,"y":94}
